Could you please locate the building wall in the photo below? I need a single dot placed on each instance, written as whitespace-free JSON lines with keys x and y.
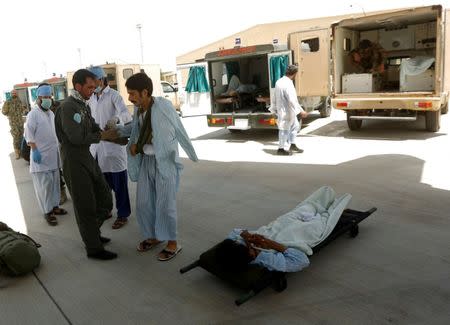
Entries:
{"x":265,"y":34}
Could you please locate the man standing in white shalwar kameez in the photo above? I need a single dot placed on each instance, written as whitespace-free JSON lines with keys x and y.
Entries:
{"x":286,"y":106}
{"x":153,"y":162}
{"x":44,"y":163}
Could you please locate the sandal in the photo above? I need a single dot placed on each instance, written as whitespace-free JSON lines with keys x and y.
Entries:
{"x":119,"y":223}
{"x":59,"y":211}
{"x":51,"y":219}
{"x":166,"y":254}
{"x":147,"y":245}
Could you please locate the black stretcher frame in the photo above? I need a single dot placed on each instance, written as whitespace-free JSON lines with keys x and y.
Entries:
{"x":256,"y":278}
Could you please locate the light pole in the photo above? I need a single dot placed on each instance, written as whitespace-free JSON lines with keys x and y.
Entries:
{"x":139,"y":28}
{"x":79,"y":56}
{"x":364,"y":13}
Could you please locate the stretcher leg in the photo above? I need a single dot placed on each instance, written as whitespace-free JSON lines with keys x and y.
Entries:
{"x":245,"y":298}
{"x":190,"y":267}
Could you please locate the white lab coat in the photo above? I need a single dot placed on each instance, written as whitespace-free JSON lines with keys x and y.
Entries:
{"x":40,"y":129}
{"x":285,"y":103}
{"x":112,"y":158}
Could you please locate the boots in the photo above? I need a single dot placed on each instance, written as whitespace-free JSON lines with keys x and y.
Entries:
{"x":63,"y":197}
{"x":17,"y":153}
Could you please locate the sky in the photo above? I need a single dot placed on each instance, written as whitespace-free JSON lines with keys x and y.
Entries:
{"x":43,"y":37}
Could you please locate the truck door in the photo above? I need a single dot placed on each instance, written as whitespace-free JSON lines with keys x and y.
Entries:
{"x":277,"y":62}
{"x":312,"y":54}
{"x":194,"y":91}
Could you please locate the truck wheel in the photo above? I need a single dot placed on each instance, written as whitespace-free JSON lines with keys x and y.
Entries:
{"x":444,"y":109}
{"x":353,"y":124}
{"x":433,"y":120}
{"x":325,"y":107}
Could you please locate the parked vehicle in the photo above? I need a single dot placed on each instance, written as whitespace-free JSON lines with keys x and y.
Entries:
{"x":170,"y":93}
{"x":402,"y":91}
{"x":255,"y":70}
{"x":117,"y":75}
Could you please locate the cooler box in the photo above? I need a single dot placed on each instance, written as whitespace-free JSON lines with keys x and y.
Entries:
{"x":360,"y":83}
{"x":420,"y":82}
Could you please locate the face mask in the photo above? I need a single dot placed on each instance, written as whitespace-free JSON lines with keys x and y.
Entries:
{"x":46,"y":103}
{"x":98,"y":89}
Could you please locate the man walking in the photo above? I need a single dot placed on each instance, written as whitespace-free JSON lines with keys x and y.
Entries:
{"x":14,"y":110}
{"x":286,"y":106}
{"x":108,"y":110}
{"x":91,"y":195}
{"x":44,"y":163}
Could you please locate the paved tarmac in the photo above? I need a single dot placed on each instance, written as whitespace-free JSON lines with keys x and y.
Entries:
{"x":396,"y":271}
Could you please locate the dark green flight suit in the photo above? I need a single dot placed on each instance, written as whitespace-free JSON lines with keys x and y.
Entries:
{"x":91,"y":195}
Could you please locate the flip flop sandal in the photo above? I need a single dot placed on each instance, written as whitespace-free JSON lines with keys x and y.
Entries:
{"x":145,"y":245}
{"x":119,"y":223}
{"x":51,"y":219}
{"x":59,"y":211}
{"x":166,"y":254}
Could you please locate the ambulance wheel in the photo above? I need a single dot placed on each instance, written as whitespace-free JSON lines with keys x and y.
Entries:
{"x":280,"y":284}
{"x":325,"y":109}
{"x":444,"y":109}
{"x":433,"y":120}
{"x":354,"y":231}
{"x":353,"y":124}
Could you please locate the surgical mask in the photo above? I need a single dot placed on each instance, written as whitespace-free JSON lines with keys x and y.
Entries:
{"x":98,"y":89}
{"x":46,"y":103}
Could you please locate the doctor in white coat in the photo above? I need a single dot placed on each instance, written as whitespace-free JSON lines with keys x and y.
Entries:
{"x":286,"y":106}
{"x":44,"y":163}
{"x":108,"y":109}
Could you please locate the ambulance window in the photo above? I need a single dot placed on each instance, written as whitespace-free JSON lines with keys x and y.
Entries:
{"x":127,"y":73}
{"x":310,"y":45}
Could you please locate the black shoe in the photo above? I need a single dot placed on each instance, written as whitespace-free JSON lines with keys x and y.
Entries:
{"x":103,"y":255}
{"x":296,"y":149}
{"x":105,"y":240}
{"x":282,"y":152}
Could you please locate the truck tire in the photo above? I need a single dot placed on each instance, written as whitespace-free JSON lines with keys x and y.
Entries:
{"x":325,"y":107}
{"x":444,"y":109}
{"x":433,"y":120}
{"x":353,"y":124}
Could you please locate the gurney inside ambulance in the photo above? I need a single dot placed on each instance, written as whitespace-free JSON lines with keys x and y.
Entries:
{"x":241,"y":85}
{"x":392,"y":54}
{"x":293,"y":239}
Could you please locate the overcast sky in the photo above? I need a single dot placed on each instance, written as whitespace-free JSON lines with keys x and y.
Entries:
{"x":44,"y":37}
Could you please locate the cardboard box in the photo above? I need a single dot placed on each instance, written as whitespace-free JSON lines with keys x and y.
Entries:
{"x":360,"y":83}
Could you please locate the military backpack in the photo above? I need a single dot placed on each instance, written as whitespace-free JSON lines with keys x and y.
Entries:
{"x":19,"y":253}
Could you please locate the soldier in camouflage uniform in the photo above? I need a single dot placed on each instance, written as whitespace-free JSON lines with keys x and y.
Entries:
{"x":14,"y":109}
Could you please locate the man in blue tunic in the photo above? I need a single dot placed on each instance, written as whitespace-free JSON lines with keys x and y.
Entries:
{"x":153,"y":162}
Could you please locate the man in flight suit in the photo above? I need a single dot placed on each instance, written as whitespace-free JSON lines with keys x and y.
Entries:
{"x":76,"y":131}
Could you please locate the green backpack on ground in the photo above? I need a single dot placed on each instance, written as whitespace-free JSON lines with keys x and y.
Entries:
{"x":19,"y":253}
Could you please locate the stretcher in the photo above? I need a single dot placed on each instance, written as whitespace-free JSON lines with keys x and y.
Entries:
{"x":256,"y":278}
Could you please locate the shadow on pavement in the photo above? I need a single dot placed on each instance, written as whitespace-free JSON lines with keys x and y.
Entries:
{"x":349,"y":277}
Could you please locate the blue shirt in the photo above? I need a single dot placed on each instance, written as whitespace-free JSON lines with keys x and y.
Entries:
{"x":291,"y":260}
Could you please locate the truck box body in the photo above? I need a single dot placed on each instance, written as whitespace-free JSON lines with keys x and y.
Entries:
{"x":404,"y":35}
{"x":245,"y":107}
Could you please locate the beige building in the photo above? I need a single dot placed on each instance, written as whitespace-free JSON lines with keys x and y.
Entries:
{"x":262,"y":34}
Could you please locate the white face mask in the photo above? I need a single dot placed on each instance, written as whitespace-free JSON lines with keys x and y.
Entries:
{"x":46,"y":103}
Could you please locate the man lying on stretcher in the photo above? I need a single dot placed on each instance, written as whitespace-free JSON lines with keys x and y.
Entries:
{"x":283,"y":245}
{"x":242,"y":248}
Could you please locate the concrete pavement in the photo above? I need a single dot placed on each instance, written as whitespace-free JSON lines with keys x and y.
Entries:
{"x":395,"y":272}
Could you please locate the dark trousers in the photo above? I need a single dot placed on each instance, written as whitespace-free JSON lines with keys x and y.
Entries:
{"x":119,"y":184}
{"x":91,"y":196}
